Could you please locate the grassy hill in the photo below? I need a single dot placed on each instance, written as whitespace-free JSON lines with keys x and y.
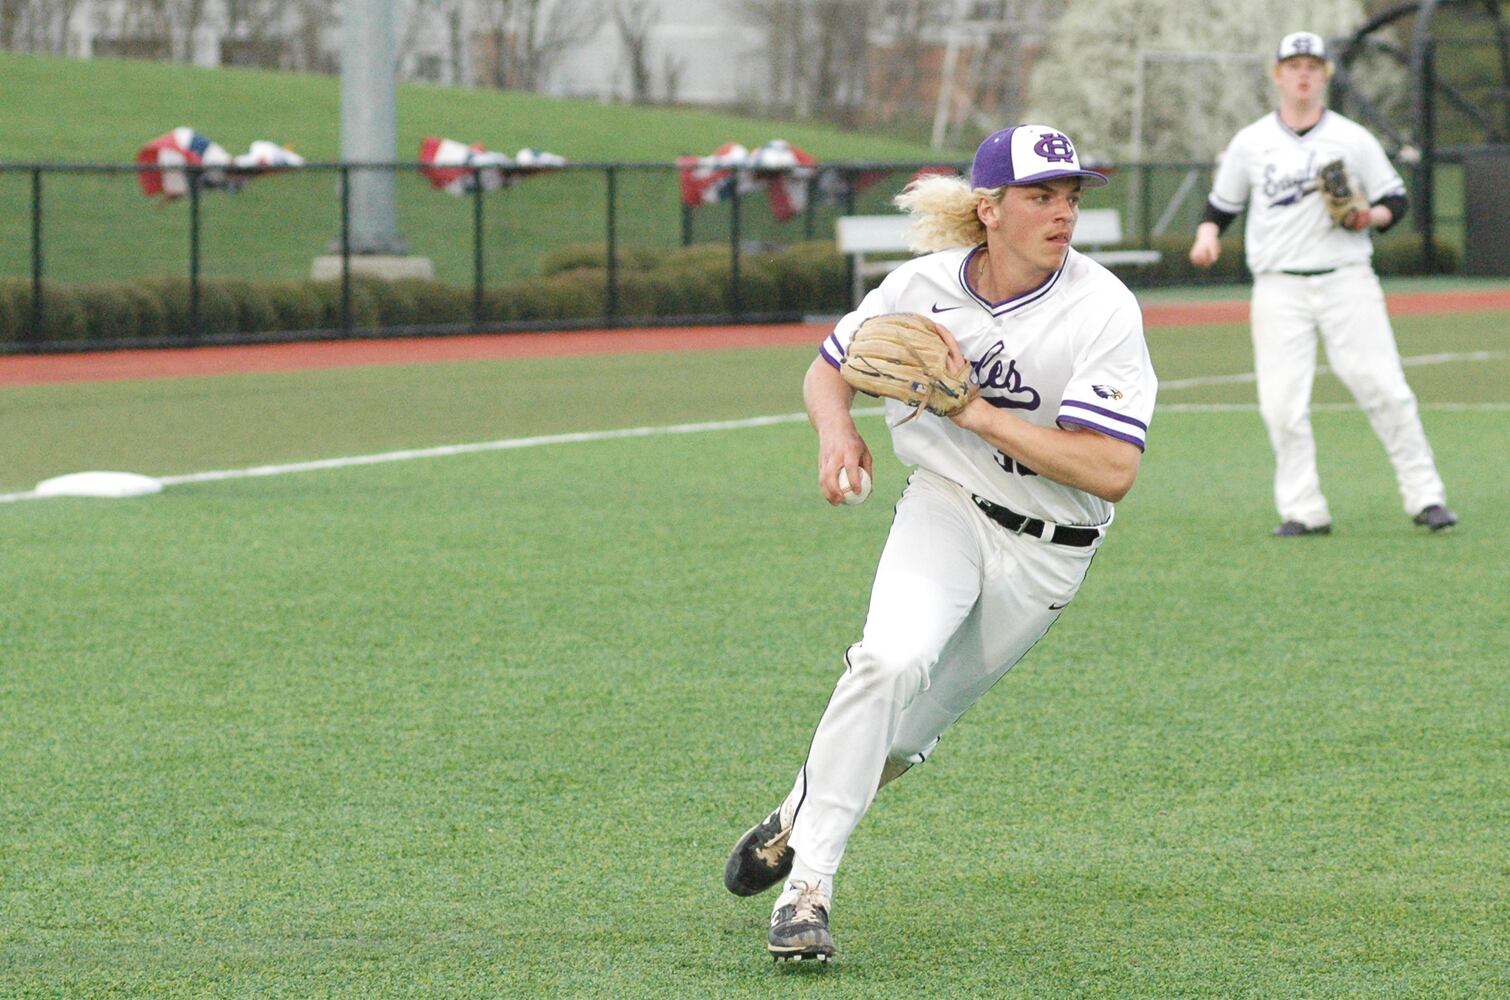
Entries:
{"x":99,"y":227}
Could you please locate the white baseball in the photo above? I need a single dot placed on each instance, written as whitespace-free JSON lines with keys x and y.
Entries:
{"x":851,"y":498}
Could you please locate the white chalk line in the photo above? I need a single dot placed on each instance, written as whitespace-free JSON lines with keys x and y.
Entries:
{"x":581,"y":437}
{"x":1410,"y":362}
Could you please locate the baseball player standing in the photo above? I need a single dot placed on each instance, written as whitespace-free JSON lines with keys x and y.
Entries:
{"x":1009,"y":501}
{"x":1311,"y":274}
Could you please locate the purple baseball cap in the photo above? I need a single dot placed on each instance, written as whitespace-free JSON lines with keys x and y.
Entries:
{"x":1028,"y":154}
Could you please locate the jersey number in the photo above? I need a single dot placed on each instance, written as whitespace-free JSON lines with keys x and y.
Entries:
{"x":1006,"y":462}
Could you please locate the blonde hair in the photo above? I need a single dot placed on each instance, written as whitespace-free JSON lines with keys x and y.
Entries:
{"x":943,"y":212}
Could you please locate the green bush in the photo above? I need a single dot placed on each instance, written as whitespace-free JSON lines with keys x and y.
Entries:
{"x":397,"y":304}
{"x":364,"y":305}
{"x":151,"y":315}
{"x":255,"y":312}
{"x":437,"y":302}
{"x":172,"y":295}
{"x":63,"y":317}
{"x":577,"y":294}
{"x":517,"y":302}
{"x":15,"y":310}
{"x":830,"y":273}
{"x":219,"y":310}
{"x":109,"y":312}
{"x":1405,"y":254}
{"x":759,"y":290}
{"x":297,"y":303}
{"x":595,"y":255}
{"x":808,"y":277}
{"x":693,"y":290}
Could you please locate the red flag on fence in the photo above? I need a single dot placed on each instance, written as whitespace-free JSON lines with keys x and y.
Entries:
{"x":184,"y":147}
{"x":455,"y":167}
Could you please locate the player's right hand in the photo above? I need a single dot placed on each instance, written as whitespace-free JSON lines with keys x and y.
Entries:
{"x":840,"y":451}
{"x":1205,"y":251}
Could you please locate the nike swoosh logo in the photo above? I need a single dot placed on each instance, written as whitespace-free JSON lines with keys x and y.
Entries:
{"x":945,"y":309}
{"x":1056,"y":607}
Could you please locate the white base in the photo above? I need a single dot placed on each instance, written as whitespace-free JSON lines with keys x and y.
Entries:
{"x":110,"y":485}
{"x":384,"y":268}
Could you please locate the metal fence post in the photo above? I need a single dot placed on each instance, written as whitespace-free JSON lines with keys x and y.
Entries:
{"x":849,"y":209}
{"x":477,"y":278}
{"x":194,"y":319}
{"x":736,"y":303}
{"x":345,"y":250}
{"x":612,"y":254}
{"x":34,"y":332}
{"x":1145,"y":206}
{"x":808,"y":220}
{"x":1426,"y":171}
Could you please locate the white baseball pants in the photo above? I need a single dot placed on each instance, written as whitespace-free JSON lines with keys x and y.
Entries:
{"x":1347,"y":308}
{"x":957,"y":600}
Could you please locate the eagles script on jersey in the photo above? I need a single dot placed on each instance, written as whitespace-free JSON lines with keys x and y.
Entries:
{"x":1068,"y":353}
{"x":1275,"y":174}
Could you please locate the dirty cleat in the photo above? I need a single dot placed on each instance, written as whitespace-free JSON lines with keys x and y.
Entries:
{"x":1292,"y":529}
{"x":799,"y":927}
{"x":760,"y":859}
{"x":1436,"y":517}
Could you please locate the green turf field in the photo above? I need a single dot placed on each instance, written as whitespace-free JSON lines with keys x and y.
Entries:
{"x":486,"y":725}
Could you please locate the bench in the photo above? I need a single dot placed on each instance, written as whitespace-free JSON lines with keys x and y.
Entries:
{"x":860,"y":236}
{"x":1102,"y":227}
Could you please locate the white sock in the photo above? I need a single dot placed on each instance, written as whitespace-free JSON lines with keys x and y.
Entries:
{"x":802,"y":872}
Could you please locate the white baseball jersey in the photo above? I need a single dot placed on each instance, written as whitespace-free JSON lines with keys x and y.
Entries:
{"x":1273,"y":173}
{"x":1068,"y":353}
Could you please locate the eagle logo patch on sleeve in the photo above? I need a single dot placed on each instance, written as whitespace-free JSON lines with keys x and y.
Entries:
{"x":1107,"y":391}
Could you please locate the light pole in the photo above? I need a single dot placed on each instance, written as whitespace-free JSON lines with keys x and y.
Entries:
{"x":370,"y":244}
{"x":369,"y":128}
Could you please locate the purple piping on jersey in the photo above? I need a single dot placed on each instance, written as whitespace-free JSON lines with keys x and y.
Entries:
{"x":1105,"y":413}
{"x":1013,"y":302}
{"x":1308,"y":133}
{"x":1119,"y":435}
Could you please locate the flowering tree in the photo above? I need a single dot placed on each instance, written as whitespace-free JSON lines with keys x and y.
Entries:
{"x":1193,"y":98}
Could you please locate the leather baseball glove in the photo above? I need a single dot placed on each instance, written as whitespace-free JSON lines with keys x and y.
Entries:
{"x":1341,"y":195}
{"x":904,"y":356}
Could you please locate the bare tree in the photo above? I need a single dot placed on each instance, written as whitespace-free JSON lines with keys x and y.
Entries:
{"x":635,"y":20}
{"x":672,"y":69}
{"x":525,"y":38}
{"x":817,"y":53}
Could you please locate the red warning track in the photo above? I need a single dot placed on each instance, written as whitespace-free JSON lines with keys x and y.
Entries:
{"x":190,"y":362}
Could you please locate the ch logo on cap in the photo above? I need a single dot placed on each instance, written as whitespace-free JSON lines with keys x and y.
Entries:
{"x":1055,"y":148}
{"x":1302,"y":45}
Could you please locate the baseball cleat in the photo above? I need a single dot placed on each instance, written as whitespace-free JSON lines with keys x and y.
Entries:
{"x":760,"y":859}
{"x":1436,"y":517}
{"x":1292,"y":529}
{"x":799,"y":927}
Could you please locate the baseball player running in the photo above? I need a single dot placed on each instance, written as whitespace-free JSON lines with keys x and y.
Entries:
{"x":1311,"y":273}
{"x":1007,"y":505}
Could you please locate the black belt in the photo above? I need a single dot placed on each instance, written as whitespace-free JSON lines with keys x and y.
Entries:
{"x":1309,"y":274}
{"x":1021,"y":524}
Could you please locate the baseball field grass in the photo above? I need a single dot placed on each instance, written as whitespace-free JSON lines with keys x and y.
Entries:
{"x":487,"y":724}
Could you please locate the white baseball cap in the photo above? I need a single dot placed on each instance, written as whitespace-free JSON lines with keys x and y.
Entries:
{"x":1302,"y":43}
{"x":1028,"y":154}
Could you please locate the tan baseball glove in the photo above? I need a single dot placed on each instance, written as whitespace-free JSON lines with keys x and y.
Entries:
{"x":1341,"y":194}
{"x":904,"y":356}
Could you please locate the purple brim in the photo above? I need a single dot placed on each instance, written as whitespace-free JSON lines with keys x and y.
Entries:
{"x":1089,"y":178}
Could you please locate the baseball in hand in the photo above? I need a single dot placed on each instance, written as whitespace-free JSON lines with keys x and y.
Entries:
{"x":852,"y":497}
